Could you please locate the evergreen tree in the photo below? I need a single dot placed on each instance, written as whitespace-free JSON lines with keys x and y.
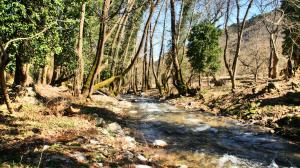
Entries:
{"x":203,"y":48}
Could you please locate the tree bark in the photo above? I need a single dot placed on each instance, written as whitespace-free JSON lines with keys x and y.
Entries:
{"x":20,"y":72}
{"x":177,"y":78}
{"x":101,"y":43}
{"x":80,"y":69}
{"x":275,"y":57}
{"x":135,"y":57}
{"x":4,"y":60}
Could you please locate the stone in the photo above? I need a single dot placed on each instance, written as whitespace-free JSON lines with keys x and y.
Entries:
{"x":142,"y":158}
{"x":129,"y":155}
{"x":133,"y":112}
{"x":100,"y":122}
{"x":160,"y":143}
{"x":80,"y":140}
{"x":130,"y":142}
{"x":94,"y":142}
{"x":72,"y":110}
{"x":45,"y":147}
{"x":80,"y":157}
{"x":182,"y":166}
{"x":201,"y":127}
{"x":114,"y":127}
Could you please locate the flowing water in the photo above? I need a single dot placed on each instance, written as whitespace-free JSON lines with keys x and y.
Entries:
{"x":199,"y":139}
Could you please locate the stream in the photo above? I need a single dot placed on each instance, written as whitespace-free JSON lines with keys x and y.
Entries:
{"x":199,"y":139}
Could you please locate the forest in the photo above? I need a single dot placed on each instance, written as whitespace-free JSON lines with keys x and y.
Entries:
{"x":150,"y":83}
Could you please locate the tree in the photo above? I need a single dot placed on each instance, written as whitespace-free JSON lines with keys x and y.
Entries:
{"x":291,"y":42}
{"x":135,"y":54}
{"x":203,"y":48}
{"x":240,"y":24}
{"x":177,"y":77}
{"x":79,"y":49}
{"x":22,"y":22}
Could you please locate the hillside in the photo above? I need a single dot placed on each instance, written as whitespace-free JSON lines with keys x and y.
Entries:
{"x":255,"y":47}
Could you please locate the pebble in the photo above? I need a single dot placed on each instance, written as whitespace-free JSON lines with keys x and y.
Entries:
{"x":160,"y":143}
{"x":45,"y":147}
{"x":80,"y":157}
{"x":94,"y":142}
{"x":114,"y":127}
{"x":142,"y":158}
{"x":133,"y":112}
{"x":129,"y":155}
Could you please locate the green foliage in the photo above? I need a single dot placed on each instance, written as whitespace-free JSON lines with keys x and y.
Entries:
{"x":105,"y":74}
{"x":203,"y":48}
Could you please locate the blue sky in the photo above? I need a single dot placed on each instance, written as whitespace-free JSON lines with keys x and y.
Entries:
{"x":159,"y":29}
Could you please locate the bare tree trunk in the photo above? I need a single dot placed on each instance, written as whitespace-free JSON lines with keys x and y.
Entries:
{"x":44,"y":75}
{"x":4,"y":60}
{"x":20,"y":72}
{"x":145,"y":65}
{"x":80,"y":69}
{"x":270,"y":59}
{"x":178,"y":80}
{"x":101,"y":43}
{"x":275,"y":57}
{"x":240,"y":29}
{"x":135,"y":57}
{"x":4,"y":91}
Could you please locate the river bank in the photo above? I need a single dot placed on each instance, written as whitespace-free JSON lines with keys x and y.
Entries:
{"x":274,"y":106}
{"x":50,"y":130}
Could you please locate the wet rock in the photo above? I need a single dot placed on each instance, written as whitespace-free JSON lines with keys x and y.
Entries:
{"x":160,"y":143}
{"x":214,"y":130}
{"x":201,"y":127}
{"x":142,"y":166}
{"x":142,"y":158}
{"x":273,"y":165}
{"x":114,"y":127}
{"x":228,"y":159}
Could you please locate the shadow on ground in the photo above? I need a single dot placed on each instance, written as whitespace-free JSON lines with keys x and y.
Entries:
{"x":30,"y":152}
{"x":289,"y":99}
